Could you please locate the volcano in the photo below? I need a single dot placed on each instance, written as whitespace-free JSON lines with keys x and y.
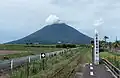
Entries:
{"x":54,"y":34}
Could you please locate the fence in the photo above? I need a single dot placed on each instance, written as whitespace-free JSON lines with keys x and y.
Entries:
{"x":114,"y":69}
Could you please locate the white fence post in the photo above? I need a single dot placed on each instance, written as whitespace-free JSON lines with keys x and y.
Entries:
{"x":11,"y":64}
{"x":29,"y":59}
{"x":40,"y":56}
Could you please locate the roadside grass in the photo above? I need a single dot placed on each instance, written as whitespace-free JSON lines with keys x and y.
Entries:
{"x":81,"y":56}
{"x":88,"y":56}
{"x":114,"y":58}
{"x":37,"y":67}
{"x":53,"y":64}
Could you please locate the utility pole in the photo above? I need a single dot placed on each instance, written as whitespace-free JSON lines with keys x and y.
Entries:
{"x":116,"y":38}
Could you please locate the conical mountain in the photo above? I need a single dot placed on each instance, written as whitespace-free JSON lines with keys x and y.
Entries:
{"x":52,"y":34}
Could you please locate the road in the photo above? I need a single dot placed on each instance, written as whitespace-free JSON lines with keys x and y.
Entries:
{"x":6,"y":65}
{"x":95,"y":71}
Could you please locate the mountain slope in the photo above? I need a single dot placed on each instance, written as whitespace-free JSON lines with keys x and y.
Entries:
{"x":54,"y":33}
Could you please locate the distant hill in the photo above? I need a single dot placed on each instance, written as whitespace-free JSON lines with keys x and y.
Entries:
{"x":53,"y":34}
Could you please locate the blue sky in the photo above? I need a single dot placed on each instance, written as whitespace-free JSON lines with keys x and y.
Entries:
{"x":18,"y":18}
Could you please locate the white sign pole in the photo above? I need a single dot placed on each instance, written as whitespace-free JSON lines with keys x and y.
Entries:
{"x":96,"y":48}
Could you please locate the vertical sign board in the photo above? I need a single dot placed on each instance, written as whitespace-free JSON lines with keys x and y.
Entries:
{"x":96,"y":48}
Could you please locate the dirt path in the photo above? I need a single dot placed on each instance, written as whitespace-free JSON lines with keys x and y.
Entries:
{"x":4,"y":52}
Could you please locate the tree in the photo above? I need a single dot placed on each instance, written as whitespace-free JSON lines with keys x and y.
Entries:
{"x":116,"y":45}
{"x":110,"y":45}
{"x":105,"y":38}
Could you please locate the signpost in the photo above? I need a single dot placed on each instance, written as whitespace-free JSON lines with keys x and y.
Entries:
{"x":43,"y":60}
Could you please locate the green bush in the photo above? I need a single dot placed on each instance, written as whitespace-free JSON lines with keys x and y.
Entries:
{"x":66,"y":46}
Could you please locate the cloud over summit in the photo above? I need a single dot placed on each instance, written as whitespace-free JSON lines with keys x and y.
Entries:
{"x":52,"y":19}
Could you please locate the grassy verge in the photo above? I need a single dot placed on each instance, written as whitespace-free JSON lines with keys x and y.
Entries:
{"x":114,"y":58}
{"x":52,"y":65}
{"x":88,"y":55}
{"x":36,"y":67}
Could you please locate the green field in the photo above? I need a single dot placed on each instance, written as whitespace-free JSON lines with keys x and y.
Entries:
{"x":21,"y":47}
{"x":24,"y":51}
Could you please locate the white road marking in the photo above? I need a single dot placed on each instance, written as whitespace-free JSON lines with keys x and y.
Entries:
{"x":90,"y":64}
{"x":91,"y":68}
{"x":91,"y":73}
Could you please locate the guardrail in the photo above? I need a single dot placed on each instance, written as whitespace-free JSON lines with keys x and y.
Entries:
{"x":114,"y":69}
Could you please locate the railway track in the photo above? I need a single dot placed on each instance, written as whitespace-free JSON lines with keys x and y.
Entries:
{"x":61,"y":71}
{"x":73,"y":70}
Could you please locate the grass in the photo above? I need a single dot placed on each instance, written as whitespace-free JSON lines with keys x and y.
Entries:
{"x":109,"y":54}
{"x":88,"y":55}
{"x":53,"y":64}
{"x":24,"y":51}
{"x":36,"y":67}
{"x":113,"y":57}
{"x":19,"y":47}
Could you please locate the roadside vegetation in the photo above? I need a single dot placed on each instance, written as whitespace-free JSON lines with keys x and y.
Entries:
{"x":30,"y":49}
{"x":60,"y":66}
{"x":25,"y":50}
{"x":111,"y":51}
{"x":113,"y":57}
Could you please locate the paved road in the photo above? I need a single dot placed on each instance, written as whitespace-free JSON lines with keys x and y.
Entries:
{"x":6,"y":65}
{"x":93,"y":71}
{"x":99,"y":71}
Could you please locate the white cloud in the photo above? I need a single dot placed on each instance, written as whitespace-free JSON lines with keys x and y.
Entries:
{"x":98,"y":22}
{"x":52,"y":19}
